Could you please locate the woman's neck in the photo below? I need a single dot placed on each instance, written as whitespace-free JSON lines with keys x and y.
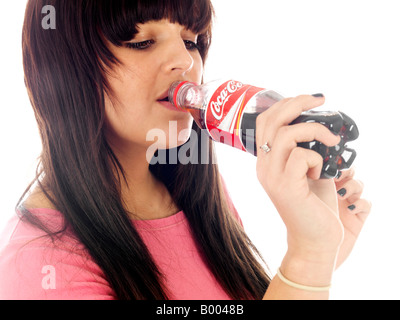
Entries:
{"x":144,"y":196}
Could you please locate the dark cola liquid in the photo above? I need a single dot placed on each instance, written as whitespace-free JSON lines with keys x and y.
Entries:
{"x":248,"y":133}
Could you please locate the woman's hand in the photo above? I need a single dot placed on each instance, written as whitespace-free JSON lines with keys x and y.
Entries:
{"x":290,"y":176}
{"x":320,"y":228}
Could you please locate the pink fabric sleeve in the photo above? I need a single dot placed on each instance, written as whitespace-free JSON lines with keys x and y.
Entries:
{"x":33,"y":267}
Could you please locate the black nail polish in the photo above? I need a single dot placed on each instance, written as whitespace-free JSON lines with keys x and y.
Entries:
{"x":352,"y":207}
{"x":339,"y":175}
{"x":342,"y":192}
{"x":318,"y":95}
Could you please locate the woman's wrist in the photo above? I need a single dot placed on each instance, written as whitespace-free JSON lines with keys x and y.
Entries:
{"x":300,"y":286}
{"x":313,"y":270}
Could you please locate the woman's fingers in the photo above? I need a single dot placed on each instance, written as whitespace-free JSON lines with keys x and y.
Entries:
{"x":285,"y":111}
{"x":349,"y":193}
{"x":345,"y":175}
{"x":350,"y":190}
{"x":303,"y":162}
{"x":288,"y":137}
{"x":281,"y":114}
{"x":273,"y":128}
{"x":361,"y":208}
{"x":285,"y":143}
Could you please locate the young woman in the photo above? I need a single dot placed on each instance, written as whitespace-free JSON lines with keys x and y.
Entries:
{"x":99,"y":222}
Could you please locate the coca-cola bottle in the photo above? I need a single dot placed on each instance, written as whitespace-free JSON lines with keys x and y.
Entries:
{"x":228,"y":111}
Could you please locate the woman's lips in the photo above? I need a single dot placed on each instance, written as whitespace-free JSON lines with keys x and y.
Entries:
{"x":164,"y":101}
{"x":166,"y":104}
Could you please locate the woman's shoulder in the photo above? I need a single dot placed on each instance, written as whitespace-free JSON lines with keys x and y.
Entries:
{"x":22,"y":229}
{"x":37,"y":199}
{"x":37,"y":222}
{"x":36,"y":265}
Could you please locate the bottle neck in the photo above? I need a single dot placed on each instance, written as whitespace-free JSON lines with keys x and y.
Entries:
{"x":187,"y":95}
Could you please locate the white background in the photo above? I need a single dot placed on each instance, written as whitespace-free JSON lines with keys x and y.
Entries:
{"x":348,"y":50}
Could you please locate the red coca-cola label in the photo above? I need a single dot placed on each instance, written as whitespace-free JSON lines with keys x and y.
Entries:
{"x":225,"y":110}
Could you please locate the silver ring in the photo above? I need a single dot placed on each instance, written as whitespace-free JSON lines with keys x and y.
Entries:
{"x":265,"y":147}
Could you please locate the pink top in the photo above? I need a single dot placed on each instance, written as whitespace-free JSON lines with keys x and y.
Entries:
{"x":34,"y":267}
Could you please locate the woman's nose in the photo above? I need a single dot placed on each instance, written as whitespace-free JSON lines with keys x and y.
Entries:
{"x":178,"y":58}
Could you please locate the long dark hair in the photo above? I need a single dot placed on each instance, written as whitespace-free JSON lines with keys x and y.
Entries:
{"x":65,"y":75}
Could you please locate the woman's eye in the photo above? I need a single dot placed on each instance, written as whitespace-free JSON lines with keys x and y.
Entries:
{"x":140,"y":45}
{"x":190,"y":45}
